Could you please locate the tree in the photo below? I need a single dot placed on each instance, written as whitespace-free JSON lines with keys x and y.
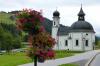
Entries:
{"x":1,"y":36}
{"x":5,"y":40}
{"x":17,"y":42}
{"x":8,"y":41}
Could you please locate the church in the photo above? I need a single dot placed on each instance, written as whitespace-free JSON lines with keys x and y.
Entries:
{"x":80,"y":36}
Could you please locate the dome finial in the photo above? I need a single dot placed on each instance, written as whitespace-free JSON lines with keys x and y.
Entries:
{"x":56,"y":8}
{"x":81,"y":5}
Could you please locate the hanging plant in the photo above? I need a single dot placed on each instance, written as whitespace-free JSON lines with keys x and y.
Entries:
{"x":40,"y":42}
{"x":29,"y":20}
{"x":42,"y":45}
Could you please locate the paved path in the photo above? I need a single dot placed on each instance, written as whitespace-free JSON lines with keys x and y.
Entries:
{"x":81,"y":62}
{"x":72,"y":59}
{"x":96,"y":61}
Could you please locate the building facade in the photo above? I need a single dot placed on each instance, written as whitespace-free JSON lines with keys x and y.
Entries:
{"x":80,"y":36}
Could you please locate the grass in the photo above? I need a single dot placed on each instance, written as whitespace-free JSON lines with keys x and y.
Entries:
{"x":21,"y":58}
{"x":98,"y":45}
{"x":64,"y":53}
{"x":69,"y":64}
{"x":14,"y":59}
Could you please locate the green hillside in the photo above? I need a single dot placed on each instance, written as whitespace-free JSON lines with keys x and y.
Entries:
{"x":9,"y":18}
{"x":7,"y":21}
{"x":48,"y":25}
{"x":5,"y":18}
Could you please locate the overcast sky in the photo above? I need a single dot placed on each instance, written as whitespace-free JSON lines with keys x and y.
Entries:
{"x":68,"y":9}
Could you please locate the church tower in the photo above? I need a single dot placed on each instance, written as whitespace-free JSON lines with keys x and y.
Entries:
{"x":55,"y":25}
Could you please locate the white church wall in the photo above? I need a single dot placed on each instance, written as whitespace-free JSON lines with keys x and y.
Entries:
{"x":91,"y":38}
{"x":72,"y":42}
{"x":76,"y":36}
{"x":54,"y":32}
{"x":82,"y":37}
{"x":62,"y":40}
{"x":61,"y":44}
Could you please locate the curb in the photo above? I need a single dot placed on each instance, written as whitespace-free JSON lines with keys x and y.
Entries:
{"x":91,"y":60}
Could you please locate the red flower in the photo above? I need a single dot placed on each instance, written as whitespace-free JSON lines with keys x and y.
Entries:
{"x":29,"y":19}
{"x":42,"y":29}
{"x":50,"y":54}
{"x":22,"y":20}
{"x":41,"y":18}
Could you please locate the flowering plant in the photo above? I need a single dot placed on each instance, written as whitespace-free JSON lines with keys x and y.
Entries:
{"x":29,"y":20}
{"x":42,"y":45}
{"x":40,"y":42}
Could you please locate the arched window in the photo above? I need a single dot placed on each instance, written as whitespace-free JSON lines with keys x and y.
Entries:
{"x":86,"y":43}
{"x":77,"y":43}
{"x":66,"y":43}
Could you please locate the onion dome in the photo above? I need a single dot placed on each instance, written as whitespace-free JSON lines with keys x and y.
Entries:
{"x":56,"y":13}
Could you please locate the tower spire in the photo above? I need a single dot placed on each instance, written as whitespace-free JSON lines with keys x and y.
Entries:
{"x":81,"y":5}
{"x":81,"y":14}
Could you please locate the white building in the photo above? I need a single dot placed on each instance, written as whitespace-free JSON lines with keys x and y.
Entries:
{"x":80,"y":36}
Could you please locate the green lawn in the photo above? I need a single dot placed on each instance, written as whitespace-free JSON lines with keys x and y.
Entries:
{"x":97,"y":45}
{"x":69,"y":65}
{"x":21,"y":58}
{"x":13,"y":59}
{"x":64,"y":53}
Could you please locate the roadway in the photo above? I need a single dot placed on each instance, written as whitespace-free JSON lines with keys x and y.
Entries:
{"x":83,"y":58}
{"x":96,"y":61}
